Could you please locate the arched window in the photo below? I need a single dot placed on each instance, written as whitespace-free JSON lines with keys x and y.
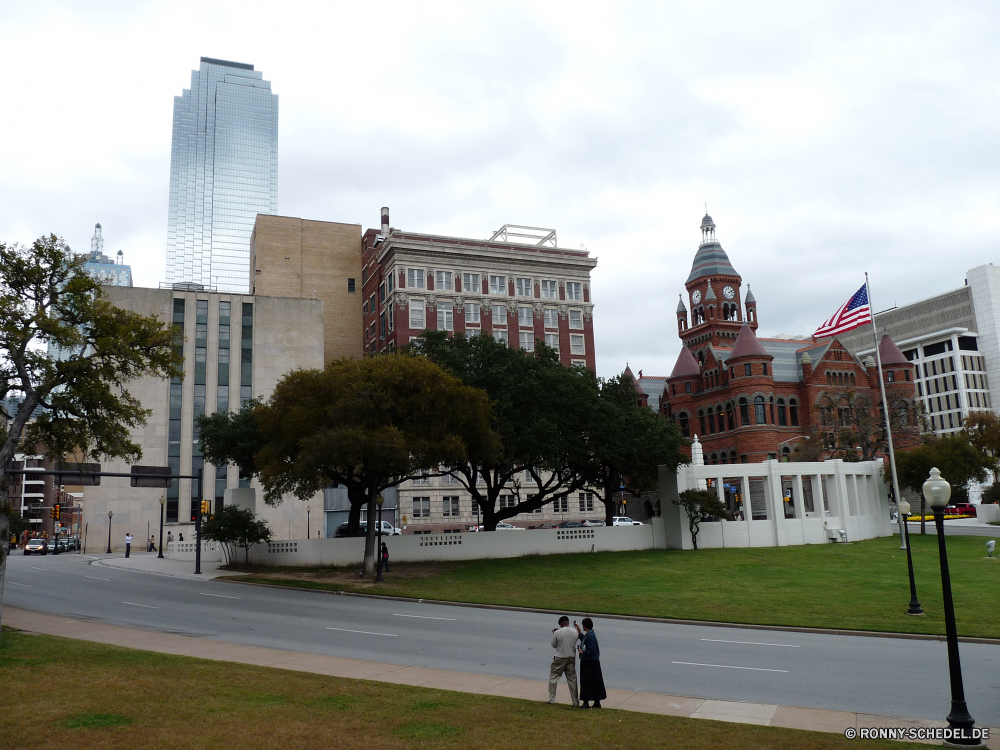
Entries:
{"x":793,"y":412}
{"x":711,"y":422}
{"x":744,"y":411}
{"x":685,"y":427}
{"x":731,"y":416}
{"x":732,"y":457}
{"x":701,"y":358}
{"x":785,"y":453}
{"x":722,"y":458}
{"x":772,"y":409}
{"x":782,"y":419}
{"x":714,"y":459}
{"x":701,"y":419}
{"x":853,"y":380}
{"x":758,"y":407}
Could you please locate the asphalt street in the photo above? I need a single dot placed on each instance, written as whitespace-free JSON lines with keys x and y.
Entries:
{"x":890,"y":676}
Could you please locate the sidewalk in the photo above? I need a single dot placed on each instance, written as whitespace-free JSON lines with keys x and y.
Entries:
{"x":817,"y":720}
{"x":148,"y":562}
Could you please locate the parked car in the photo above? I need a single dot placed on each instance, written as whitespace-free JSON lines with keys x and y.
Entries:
{"x":64,"y":545}
{"x":571,"y":525}
{"x":36,"y":547}
{"x":508,"y":527}
{"x":51,"y":546}
{"x":961,"y":509}
{"x":624,"y":521}
{"x":593,"y":522}
{"x":387,"y":529}
{"x":548,"y":526}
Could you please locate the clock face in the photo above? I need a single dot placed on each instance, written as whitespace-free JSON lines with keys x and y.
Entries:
{"x":696,"y":296}
{"x":728,"y":292}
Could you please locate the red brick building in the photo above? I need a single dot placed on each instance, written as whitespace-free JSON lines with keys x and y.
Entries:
{"x":750,"y":399}
{"x":513,"y":290}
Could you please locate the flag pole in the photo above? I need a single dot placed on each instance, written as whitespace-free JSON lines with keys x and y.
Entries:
{"x":885,"y":410}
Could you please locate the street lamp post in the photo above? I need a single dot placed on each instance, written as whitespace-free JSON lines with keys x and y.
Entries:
{"x":308,"y":530}
{"x":378,"y":540}
{"x":937,"y":492}
{"x":163,"y":501}
{"x":904,"y":511}
{"x":110,"y":513}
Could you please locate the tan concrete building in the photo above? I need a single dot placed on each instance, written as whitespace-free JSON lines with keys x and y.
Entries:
{"x":235,"y":347}
{"x":291,"y":257}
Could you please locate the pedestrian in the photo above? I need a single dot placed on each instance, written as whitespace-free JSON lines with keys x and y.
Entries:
{"x":180,"y":537}
{"x":564,"y":640}
{"x":128,"y":544}
{"x":385,"y":557}
{"x":152,"y":544}
{"x":591,"y":677}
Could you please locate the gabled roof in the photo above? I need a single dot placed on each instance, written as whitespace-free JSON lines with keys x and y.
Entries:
{"x":889,"y":353}
{"x":711,"y":260}
{"x":747,"y":345}
{"x":686,"y":365}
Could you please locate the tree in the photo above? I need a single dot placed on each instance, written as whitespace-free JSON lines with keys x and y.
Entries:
{"x":810,"y":448}
{"x":956,"y":457}
{"x":232,"y":437}
{"x":367,"y":424}
{"x":541,"y":413}
{"x":234,"y":527}
{"x":991,"y":495}
{"x":46,"y":298}
{"x":983,"y":429}
{"x":699,"y":505}
{"x":853,"y":428}
{"x":628,"y":443}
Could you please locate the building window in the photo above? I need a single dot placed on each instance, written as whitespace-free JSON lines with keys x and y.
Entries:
{"x":793,"y":412}
{"x":524,"y":317}
{"x":890,"y":376}
{"x":744,"y":412}
{"x":450,"y":507}
{"x":550,"y":289}
{"x":421,"y":507}
{"x":381,"y":325}
{"x":747,"y":370}
{"x":731,"y":416}
{"x":550,"y":318}
{"x":470,"y":283}
{"x":687,"y":387}
{"x":500,"y":336}
{"x":576,"y":345}
{"x":499,"y":315}
{"x":576,"y":319}
{"x":685,"y":427}
{"x":764,"y":367}
{"x":711,"y":422}
{"x":498,"y":285}
{"x":381,"y":292}
{"x":523,"y":287}
{"x":574,"y":290}
{"x":446,"y":317}
{"x":246,"y":355}
{"x":586,"y":502}
{"x":561,"y":505}
{"x":526,"y":339}
{"x":389,"y":313}
{"x":782,"y":419}
{"x":442,"y":280}
{"x":390,"y":281}
{"x":552,"y":340}
{"x":758,"y":407}
{"x":415,"y":278}
{"x":507,"y":501}
{"x":417,"y":314}
{"x":472,"y":313}
{"x":350,"y":286}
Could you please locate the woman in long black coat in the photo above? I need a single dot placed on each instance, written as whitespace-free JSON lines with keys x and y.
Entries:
{"x":591,"y":677}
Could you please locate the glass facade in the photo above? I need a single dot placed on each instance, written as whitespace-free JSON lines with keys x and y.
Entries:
{"x":223,"y":172}
{"x":174,"y":428}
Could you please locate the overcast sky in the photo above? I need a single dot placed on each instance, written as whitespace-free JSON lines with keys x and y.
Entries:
{"x":827,"y":139}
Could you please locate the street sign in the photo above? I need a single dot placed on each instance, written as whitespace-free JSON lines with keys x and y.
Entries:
{"x":73,"y":474}
{"x":151,"y":476}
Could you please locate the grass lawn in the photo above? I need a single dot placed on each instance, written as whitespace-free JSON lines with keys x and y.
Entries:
{"x":60,"y":693}
{"x":860,"y":586}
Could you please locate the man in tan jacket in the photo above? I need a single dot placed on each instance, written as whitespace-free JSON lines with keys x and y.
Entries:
{"x":564,"y":662}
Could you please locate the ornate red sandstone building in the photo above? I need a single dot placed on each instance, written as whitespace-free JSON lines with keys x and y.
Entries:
{"x":750,"y":399}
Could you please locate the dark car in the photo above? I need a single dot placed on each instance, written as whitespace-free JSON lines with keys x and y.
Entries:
{"x":548,"y":526}
{"x":36,"y":547}
{"x":571,"y":525}
{"x":342,"y":532}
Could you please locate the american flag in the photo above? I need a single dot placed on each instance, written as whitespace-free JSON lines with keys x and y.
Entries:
{"x":855,"y":312}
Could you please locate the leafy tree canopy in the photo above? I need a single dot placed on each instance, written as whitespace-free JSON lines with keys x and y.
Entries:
{"x":983,"y":428}
{"x":235,"y":527}
{"x":954,"y":455}
{"x":232,"y":437}
{"x":698,"y":505}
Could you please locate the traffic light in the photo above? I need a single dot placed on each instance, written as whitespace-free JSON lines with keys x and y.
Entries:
{"x":204,"y":507}
{"x":55,"y":512}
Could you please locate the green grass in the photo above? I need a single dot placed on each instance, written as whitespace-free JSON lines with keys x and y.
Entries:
{"x":60,"y":693}
{"x":860,"y":586}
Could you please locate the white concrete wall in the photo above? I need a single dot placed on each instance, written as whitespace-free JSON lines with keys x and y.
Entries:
{"x":856,"y":496}
{"x":989,"y":513}
{"x":465,"y":546}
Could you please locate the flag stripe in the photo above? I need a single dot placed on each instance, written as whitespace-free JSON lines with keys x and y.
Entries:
{"x":853,"y":313}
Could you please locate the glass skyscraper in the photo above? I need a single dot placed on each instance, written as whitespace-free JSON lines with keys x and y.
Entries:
{"x":223,"y":172}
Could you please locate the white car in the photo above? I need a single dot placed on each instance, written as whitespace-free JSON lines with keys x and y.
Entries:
{"x":508,"y":527}
{"x":593,"y":522}
{"x":388,"y":529}
{"x":624,"y":521}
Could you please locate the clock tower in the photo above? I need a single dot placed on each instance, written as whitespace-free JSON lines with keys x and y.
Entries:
{"x":714,"y":294}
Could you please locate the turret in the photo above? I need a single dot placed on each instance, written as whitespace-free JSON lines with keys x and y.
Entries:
{"x":751,"y":305}
{"x":682,"y":314}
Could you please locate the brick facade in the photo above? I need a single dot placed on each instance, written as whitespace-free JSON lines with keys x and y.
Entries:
{"x":750,"y":399}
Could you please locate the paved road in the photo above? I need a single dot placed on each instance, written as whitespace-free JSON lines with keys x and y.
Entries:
{"x":872,"y":675}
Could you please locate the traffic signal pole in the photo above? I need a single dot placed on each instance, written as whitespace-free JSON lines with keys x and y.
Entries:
{"x":197,"y":527}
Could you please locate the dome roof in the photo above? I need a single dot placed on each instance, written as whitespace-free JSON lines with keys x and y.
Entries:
{"x":707,"y":222}
{"x":889,"y":353}
{"x":747,"y":345}
{"x":711,"y":260}
{"x":686,"y":366}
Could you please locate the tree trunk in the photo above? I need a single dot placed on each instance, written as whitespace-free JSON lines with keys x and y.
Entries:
{"x":370,"y":538}
{"x":693,"y":528}
{"x":609,"y":506}
{"x":490,"y":519}
{"x":357,"y":500}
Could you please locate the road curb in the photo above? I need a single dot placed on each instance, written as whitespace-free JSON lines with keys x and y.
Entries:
{"x":632,"y":618}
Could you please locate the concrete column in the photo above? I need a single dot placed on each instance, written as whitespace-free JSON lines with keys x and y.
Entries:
{"x":776,"y":511}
